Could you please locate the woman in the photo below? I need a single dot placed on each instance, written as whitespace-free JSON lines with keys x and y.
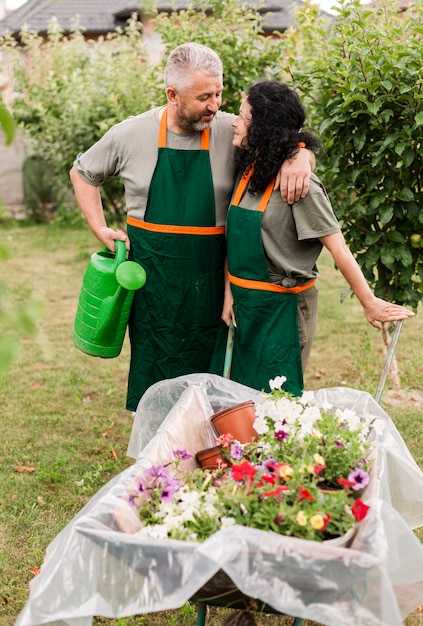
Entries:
{"x":273,"y":247}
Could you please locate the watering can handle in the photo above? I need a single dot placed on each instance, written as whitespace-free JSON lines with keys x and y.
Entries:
{"x":120,"y":254}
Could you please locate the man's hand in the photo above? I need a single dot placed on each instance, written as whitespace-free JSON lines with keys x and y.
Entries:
{"x":293,"y":178}
{"x":108,"y":236}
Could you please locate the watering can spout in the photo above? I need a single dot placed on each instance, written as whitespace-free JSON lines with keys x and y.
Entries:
{"x":105,"y":302}
{"x":130,"y":276}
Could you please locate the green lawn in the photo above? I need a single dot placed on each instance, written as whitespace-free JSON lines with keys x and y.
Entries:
{"x":64,"y":426}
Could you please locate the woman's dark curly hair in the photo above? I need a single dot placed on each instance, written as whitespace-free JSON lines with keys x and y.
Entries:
{"x":274,"y":132}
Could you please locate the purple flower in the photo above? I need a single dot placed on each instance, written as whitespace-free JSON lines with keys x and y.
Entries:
{"x":269,"y":465}
{"x":236,"y":451}
{"x":281,"y":435}
{"x":182,"y":454}
{"x":339,"y":444}
{"x":359,"y":478}
{"x":156,"y":473}
{"x":158,"y":479}
{"x":169,"y":489}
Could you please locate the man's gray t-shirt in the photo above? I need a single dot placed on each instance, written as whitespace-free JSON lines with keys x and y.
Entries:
{"x":129,"y":150}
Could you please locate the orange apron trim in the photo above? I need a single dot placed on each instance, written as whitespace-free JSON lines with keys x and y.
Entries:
{"x":264,"y":286}
{"x":205,"y":135}
{"x":242,"y":186}
{"x":176,"y":230}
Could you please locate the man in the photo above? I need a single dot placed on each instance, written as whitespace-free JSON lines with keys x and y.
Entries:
{"x":178,"y":169}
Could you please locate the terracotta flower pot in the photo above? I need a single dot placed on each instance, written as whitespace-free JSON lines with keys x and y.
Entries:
{"x":237,"y":420}
{"x":210,"y":458}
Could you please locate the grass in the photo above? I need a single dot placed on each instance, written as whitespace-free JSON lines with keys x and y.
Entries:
{"x":65,"y":429}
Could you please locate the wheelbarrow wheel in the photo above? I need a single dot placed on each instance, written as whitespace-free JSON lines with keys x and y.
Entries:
{"x":240,"y":618}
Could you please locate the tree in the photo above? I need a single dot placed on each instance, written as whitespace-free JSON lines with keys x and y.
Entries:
{"x":365,"y":94}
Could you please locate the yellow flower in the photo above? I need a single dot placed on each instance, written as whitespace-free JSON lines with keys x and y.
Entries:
{"x":310,"y":469}
{"x":301,"y":518}
{"x":317,"y":521}
{"x":319,"y":459}
{"x":285,"y":471}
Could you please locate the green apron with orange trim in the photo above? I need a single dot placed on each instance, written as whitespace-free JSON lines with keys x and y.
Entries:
{"x":266,"y":338}
{"x":175,"y":316}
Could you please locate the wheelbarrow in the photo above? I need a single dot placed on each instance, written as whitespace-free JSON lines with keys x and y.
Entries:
{"x":220,"y":590}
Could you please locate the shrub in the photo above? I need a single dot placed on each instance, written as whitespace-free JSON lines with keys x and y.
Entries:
{"x":366,"y":95}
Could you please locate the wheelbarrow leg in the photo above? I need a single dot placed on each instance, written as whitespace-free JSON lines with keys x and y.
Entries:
{"x":297,"y":621}
{"x":201,"y":615}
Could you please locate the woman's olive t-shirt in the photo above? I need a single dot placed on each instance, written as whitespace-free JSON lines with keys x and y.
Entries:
{"x":291,"y":233}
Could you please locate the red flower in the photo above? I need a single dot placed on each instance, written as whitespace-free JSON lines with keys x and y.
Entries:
{"x":318,"y":469}
{"x":267,"y":478}
{"x":275,"y":492}
{"x":327,"y":519}
{"x":243,"y":470}
{"x":345,"y":483}
{"x":304,"y":494}
{"x":359,"y":509}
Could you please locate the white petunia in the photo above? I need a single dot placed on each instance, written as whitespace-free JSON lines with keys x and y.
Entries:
{"x":227,"y":522}
{"x":307,"y":397}
{"x":158,"y":531}
{"x":277,"y":382}
{"x":326,"y":406}
{"x":260,"y":425}
{"x":379,"y":426}
{"x":348,"y":417}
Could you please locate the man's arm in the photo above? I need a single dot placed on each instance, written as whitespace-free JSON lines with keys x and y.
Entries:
{"x":293,"y":179}
{"x":375,"y":309}
{"x":89,"y":200}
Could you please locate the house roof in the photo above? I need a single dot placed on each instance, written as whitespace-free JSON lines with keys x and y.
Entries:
{"x":96,"y":16}
{"x":99,"y":17}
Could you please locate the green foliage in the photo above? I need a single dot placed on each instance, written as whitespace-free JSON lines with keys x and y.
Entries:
{"x":17,"y":317}
{"x":41,"y":196}
{"x":7,"y":124}
{"x":19,"y":312}
{"x":366,"y":94}
{"x":71,"y":92}
{"x":234,"y":30}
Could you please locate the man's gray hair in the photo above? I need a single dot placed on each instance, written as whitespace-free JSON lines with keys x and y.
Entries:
{"x":184,"y":60}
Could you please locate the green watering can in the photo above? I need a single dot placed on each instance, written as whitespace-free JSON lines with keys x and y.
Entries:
{"x":105,"y":302}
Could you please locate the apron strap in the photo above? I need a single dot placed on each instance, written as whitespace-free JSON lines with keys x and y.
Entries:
{"x":205,"y":135}
{"x":242,"y":185}
{"x":264,"y":286}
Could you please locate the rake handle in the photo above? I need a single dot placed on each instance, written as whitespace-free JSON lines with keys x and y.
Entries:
{"x":388,"y":360}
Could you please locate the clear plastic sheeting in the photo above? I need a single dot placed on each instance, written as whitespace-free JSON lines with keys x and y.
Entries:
{"x":99,"y":565}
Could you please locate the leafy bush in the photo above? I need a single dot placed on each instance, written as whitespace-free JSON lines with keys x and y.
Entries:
{"x":234,"y":30}
{"x":71,"y":92}
{"x":7,"y":124}
{"x":365,"y":92}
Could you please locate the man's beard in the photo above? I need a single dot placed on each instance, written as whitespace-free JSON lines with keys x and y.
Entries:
{"x":197,"y":126}
{"x":191,"y":126}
